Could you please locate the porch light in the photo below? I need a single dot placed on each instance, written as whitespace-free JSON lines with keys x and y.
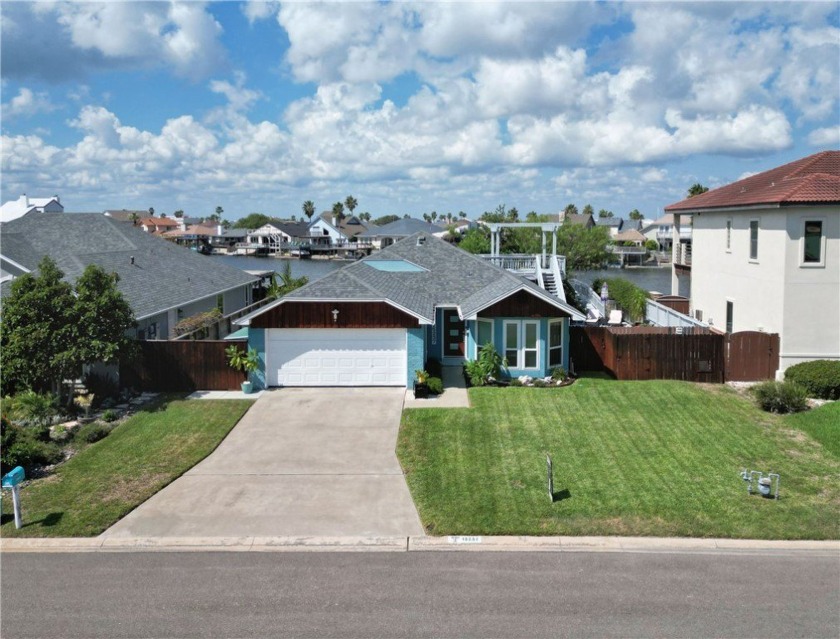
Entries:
{"x":335,"y":315}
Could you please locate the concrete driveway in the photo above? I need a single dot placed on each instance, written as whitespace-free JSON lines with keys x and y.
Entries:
{"x":302,"y":462}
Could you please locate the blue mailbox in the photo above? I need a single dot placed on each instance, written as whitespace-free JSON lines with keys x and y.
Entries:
{"x":14,"y":477}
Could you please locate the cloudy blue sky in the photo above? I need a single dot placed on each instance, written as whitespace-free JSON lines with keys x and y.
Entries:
{"x":409,"y":107}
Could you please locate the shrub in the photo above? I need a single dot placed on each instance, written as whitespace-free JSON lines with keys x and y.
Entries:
{"x":558,"y":374}
{"x":110,"y":415}
{"x":516,"y":382}
{"x":821,"y":378}
{"x":435,"y":385}
{"x":539,"y":383}
{"x":781,"y":397}
{"x":488,"y":364}
{"x":27,"y":451}
{"x":90,"y":433}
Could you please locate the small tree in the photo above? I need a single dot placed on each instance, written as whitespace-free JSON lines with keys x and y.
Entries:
{"x":179,"y":213}
{"x":635,"y":214}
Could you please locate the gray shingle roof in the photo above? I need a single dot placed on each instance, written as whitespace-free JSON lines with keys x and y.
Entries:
{"x":404,"y":227}
{"x":163,"y":275}
{"x":450,"y":277}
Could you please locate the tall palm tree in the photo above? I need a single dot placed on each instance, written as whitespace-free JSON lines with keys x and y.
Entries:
{"x":309,"y":209}
{"x":350,"y":203}
{"x":571,"y":209}
{"x":338,"y":214}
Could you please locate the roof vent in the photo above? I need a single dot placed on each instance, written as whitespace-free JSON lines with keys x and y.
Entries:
{"x":132,"y":259}
{"x":421,"y":241}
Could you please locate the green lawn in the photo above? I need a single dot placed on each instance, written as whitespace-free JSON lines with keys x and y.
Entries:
{"x":630,"y":458}
{"x":822,"y":424}
{"x":108,"y":479}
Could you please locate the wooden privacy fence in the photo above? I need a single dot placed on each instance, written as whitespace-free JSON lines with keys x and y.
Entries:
{"x":181,"y":366}
{"x":643,"y":352}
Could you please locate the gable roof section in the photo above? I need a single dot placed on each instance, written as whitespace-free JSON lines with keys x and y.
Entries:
{"x":811,"y":180}
{"x":163,"y":275}
{"x":450,"y":277}
{"x":350,"y":226}
{"x":402,"y":228}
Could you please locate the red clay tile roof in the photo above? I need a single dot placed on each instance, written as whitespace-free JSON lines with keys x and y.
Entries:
{"x":811,"y":180}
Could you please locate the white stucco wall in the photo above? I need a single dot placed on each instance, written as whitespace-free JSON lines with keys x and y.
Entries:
{"x":774,"y":293}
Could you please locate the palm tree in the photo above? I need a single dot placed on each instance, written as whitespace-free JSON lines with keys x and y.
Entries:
{"x":338,"y":214}
{"x":588,"y":210}
{"x":697,"y":189}
{"x":151,"y":211}
{"x":570,"y":209}
{"x":462,"y":215}
{"x":309,"y":209}
{"x":635,"y":214}
{"x":350,"y":203}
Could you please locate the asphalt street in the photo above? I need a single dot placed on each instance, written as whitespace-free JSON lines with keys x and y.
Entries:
{"x":431,"y":594}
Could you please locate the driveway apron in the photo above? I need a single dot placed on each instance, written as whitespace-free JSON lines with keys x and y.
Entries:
{"x":301,"y":462}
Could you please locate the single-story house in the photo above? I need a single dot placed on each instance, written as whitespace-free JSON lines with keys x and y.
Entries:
{"x":377,"y":320}
{"x":162,"y":282}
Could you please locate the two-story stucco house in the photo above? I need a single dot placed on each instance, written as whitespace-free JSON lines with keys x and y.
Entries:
{"x":767,"y":256}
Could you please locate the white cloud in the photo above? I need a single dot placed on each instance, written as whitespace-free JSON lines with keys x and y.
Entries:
{"x":827,"y":136}
{"x":27,"y":103}
{"x":257,"y":10}
{"x":73,"y":38}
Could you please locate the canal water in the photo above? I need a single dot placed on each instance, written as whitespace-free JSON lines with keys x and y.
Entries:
{"x":649,"y":278}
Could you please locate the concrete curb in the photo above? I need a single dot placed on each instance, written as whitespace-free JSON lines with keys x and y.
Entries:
{"x":422,"y":544}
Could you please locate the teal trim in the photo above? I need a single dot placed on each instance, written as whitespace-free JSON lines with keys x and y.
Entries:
{"x":256,"y":340}
{"x":416,"y":351}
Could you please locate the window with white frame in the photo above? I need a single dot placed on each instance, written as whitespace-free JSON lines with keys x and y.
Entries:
{"x":753,"y":239}
{"x":812,"y":243}
{"x":555,"y":343}
{"x":522,"y":340}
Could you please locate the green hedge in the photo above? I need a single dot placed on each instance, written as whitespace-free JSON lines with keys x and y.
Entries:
{"x":780,"y":397}
{"x":821,"y":378}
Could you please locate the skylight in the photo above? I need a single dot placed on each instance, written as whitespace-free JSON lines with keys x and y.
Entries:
{"x":395,"y":266}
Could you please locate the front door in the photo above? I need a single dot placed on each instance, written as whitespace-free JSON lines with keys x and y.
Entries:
{"x":453,"y":334}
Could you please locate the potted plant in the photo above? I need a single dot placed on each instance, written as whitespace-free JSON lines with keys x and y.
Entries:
{"x":245,"y":361}
{"x":421,"y":388}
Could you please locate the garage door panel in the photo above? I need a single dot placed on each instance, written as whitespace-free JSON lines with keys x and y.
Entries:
{"x":336,"y":357}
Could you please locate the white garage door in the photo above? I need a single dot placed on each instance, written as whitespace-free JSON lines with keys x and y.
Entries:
{"x":336,"y":357}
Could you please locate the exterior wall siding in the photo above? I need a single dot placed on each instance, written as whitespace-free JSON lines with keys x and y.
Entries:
{"x":543,"y":368}
{"x":416,"y":351}
{"x":774,"y":293}
{"x":320,"y":315}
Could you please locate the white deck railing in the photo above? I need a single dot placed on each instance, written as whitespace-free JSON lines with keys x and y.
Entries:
{"x":661,"y":315}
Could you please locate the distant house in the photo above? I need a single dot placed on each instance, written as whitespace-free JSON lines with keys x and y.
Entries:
{"x":162,"y":282}
{"x":662,"y":231}
{"x":614,"y":224}
{"x":324,"y":226}
{"x":14,"y":209}
{"x":377,"y":320}
{"x":158,"y":225}
{"x":385,"y":235}
{"x":766,"y":256}
{"x":585,"y":220}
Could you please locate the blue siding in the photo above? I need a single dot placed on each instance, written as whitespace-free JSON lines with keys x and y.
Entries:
{"x":416,"y":348}
{"x":543,"y":369}
{"x":256,"y":340}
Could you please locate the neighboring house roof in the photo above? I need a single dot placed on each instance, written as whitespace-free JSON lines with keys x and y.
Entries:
{"x":159,"y":223}
{"x":812,"y":180}
{"x":631,"y":235}
{"x":617,"y":222}
{"x":579,"y":218}
{"x":403,"y":228}
{"x":14,"y":209}
{"x":162,"y":275}
{"x":294,"y":229}
{"x":124,"y":215}
{"x":448,"y":276}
